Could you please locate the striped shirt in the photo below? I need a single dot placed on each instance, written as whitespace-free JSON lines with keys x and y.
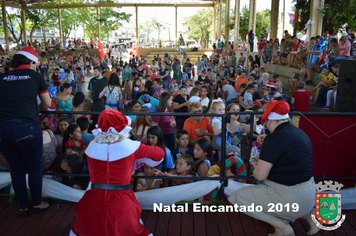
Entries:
{"x":312,"y":57}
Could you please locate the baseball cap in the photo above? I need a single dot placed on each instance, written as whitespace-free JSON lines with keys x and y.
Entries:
{"x":52,"y":92}
{"x":146,"y":98}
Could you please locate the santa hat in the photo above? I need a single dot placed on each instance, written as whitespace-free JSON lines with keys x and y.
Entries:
{"x":271,"y":84}
{"x":111,"y":120}
{"x":29,"y":52}
{"x":276,"y":110}
{"x":257,"y":103}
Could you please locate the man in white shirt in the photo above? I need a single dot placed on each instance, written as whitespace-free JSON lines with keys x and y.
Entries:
{"x":229,"y":91}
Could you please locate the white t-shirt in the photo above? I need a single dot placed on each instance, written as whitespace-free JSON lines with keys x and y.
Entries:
{"x":205,"y":102}
{"x":231,"y":91}
{"x":216,"y":120}
{"x":194,"y":99}
{"x":143,"y":181}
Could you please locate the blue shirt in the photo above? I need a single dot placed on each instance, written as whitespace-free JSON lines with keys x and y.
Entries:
{"x":154,"y":101}
{"x":149,"y":107}
{"x":86,"y":137}
{"x":168,"y":161}
{"x":176,"y":152}
{"x":312,"y":57}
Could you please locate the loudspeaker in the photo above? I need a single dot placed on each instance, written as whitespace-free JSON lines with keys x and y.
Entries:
{"x":346,"y":88}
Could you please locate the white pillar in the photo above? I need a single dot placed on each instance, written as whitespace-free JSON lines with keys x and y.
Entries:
{"x":237,"y":23}
{"x":60,"y":28}
{"x":219,"y":19}
{"x":252,"y":16}
{"x":214,"y":23}
{"x":176,"y":24}
{"x":274,"y":19}
{"x":316,"y":15}
{"x":136,"y":6}
{"x":227,"y":21}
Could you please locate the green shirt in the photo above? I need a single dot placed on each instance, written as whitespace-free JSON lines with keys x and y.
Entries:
{"x":288,"y":46}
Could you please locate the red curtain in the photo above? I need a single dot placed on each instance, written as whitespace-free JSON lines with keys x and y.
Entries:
{"x":333,"y":139}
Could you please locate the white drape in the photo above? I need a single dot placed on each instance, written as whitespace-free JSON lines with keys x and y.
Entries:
{"x":166,"y":196}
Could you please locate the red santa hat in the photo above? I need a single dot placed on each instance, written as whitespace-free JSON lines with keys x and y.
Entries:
{"x":29,"y":52}
{"x":276,"y":110}
{"x":111,"y":120}
{"x":271,"y":84}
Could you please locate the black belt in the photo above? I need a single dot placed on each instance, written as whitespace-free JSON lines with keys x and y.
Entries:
{"x":110,"y":187}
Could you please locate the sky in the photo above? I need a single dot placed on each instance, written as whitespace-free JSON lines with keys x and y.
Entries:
{"x":167,"y":14}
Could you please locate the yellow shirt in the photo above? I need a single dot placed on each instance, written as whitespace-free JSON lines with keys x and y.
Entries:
{"x":329,"y":78}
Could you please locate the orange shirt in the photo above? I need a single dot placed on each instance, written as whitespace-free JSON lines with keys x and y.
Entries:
{"x":192,"y":127}
{"x":240,"y":81}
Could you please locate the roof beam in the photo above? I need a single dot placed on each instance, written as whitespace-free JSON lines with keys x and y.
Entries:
{"x":64,"y":6}
{"x":14,"y":5}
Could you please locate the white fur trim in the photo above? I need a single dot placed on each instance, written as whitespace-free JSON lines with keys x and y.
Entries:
{"x":112,"y":152}
{"x":276,"y":116}
{"x":148,"y":161}
{"x":28,"y":55}
{"x":125,"y":130}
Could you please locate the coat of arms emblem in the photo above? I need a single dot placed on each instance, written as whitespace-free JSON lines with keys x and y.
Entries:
{"x":328,"y":206}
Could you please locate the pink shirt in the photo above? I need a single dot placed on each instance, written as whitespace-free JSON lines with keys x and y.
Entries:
{"x":342,"y":48}
{"x":164,"y":122}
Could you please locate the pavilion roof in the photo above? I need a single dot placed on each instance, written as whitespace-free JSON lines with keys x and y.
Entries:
{"x":28,"y":4}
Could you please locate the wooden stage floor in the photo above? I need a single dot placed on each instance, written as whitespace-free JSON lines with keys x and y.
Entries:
{"x":58,"y":220}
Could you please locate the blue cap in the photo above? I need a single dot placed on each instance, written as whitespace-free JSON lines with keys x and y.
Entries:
{"x":146,"y":98}
{"x":52,"y":92}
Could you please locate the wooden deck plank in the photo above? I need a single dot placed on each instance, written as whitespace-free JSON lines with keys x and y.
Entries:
{"x":187,"y":223}
{"x":211,"y":224}
{"x":175,"y":221}
{"x":236,"y":224}
{"x":260,"y":227}
{"x":8,"y":215}
{"x":59,"y":222}
{"x":224,"y":223}
{"x":65,"y":222}
{"x":15,"y":224}
{"x":307,"y":227}
{"x":162,"y":224}
{"x":56,"y":218}
{"x":248,"y":225}
{"x":151,"y":220}
{"x":199,"y":224}
{"x":351,"y":219}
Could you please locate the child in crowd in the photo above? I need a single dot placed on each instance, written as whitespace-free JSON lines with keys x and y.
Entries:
{"x":145,"y":101}
{"x":217,"y":107}
{"x":194,"y":95}
{"x":73,"y":164}
{"x":203,"y":152}
{"x":63,"y":124}
{"x":83,"y":123}
{"x":73,"y":137}
{"x":185,"y":76}
{"x":301,"y":98}
{"x":278,"y":82}
{"x":252,"y":77}
{"x":127,"y":95}
{"x":137,"y":88}
{"x":184,"y":168}
{"x":175,"y":91}
{"x":189,"y":86}
{"x":182,"y":139}
{"x":79,"y":79}
{"x":220,"y":95}
{"x":267,"y":96}
{"x":72,"y":149}
{"x":171,"y":86}
{"x":147,"y":184}
{"x":158,"y":83}
{"x":155,"y":138}
{"x":248,"y":101}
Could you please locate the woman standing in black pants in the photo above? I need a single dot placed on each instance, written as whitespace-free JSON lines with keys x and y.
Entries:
{"x":20,"y":133}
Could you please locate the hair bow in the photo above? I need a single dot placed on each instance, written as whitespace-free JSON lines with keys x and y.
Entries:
{"x":235,"y":154}
{"x":216,"y":100}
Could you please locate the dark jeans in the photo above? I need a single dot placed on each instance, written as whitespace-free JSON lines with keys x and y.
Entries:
{"x":170,"y":141}
{"x":322,"y":95}
{"x":251,"y":46}
{"x":21,"y":144}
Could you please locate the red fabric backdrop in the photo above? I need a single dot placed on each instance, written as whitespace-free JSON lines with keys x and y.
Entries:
{"x":334,"y":140}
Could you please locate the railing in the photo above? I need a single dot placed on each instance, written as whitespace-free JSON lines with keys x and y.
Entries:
{"x":225,"y":119}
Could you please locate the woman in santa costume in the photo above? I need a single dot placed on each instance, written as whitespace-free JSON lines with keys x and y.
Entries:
{"x":110,"y":207}
{"x":286,"y":165}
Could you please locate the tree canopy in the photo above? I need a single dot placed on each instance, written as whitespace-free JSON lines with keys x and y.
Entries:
{"x":200,"y":25}
{"x":337,"y":14}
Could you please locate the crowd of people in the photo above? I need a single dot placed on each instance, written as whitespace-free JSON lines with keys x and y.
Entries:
{"x":214,"y":86}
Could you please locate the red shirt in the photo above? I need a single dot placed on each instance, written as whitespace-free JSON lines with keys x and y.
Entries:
{"x":295,"y":47}
{"x":71,"y":143}
{"x":301,"y":103}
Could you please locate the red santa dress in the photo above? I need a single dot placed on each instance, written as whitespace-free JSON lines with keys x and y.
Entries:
{"x":113,"y":212}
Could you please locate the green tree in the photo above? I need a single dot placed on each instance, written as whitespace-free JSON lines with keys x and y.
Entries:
{"x":200,"y":25}
{"x":158,"y":26}
{"x":337,"y":14}
{"x":14,"y":26}
{"x":147,"y":29}
{"x":244,"y":16}
{"x":263,"y":19}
